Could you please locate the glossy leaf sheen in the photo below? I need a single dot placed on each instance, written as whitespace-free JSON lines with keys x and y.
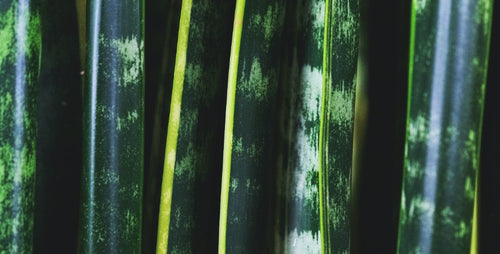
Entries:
{"x":20,"y":42}
{"x":111,"y":212}
{"x":448,"y":59}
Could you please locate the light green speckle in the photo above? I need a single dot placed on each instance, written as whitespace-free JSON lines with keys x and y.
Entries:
{"x":126,"y":121}
{"x":234,"y":184}
{"x":419,"y":5}
{"x":130,"y":225}
{"x":451,"y":132}
{"x":417,"y":250}
{"x":268,"y":22}
{"x":469,"y":189}
{"x":341,"y":107}
{"x":238,"y":145}
{"x":475,"y":61}
{"x":132,"y":116}
{"x":252,"y":185}
{"x":317,"y":15}
{"x":193,"y":76}
{"x":6,"y":155}
{"x":253,"y":151}
{"x":5,"y":107}
{"x":463,"y":230}
{"x":185,"y":167}
{"x":256,"y":85}
{"x":471,"y":150}
{"x":418,"y":129}
{"x":8,"y":25}
{"x":348,"y":23}
{"x":135,"y":191}
{"x":447,"y":216}
{"x":402,"y":217}
{"x":7,"y":21}
{"x":483,"y":14}
{"x":189,"y":121}
{"x":177,"y":214}
{"x":414,"y":170}
{"x":34,"y":34}
{"x":131,"y":52}
{"x":17,"y":168}
{"x":109,"y":176}
{"x":420,"y":208}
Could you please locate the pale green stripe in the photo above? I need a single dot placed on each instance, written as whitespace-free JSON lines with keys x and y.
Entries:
{"x":410,"y":82}
{"x":173,"y":129}
{"x":228,"y":128}
{"x":322,"y":169}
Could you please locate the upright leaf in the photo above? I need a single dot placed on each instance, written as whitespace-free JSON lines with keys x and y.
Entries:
{"x":199,"y":109}
{"x":301,"y":82}
{"x":249,"y":163}
{"x":20,"y":43}
{"x":337,"y":122}
{"x":448,"y":58}
{"x":111,"y":212}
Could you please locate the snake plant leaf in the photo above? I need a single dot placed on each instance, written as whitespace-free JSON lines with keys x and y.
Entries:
{"x":249,"y":162}
{"x":337,"y":122}
{"x":59,"y":154}
{"x":189,"y":221}
{"x":20,"y":46}
{"x":448,"y":58}
{"x":302,"y":89}
{"x":112,"y":177}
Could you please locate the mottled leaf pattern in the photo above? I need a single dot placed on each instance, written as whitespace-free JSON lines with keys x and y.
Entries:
{"x":253,"y":162}
{"x":258,"y":154}
{"x":449,"y":46}
{"x":339,"y":72}
{"x":20,"y":43}
{"x":302,"y":87}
